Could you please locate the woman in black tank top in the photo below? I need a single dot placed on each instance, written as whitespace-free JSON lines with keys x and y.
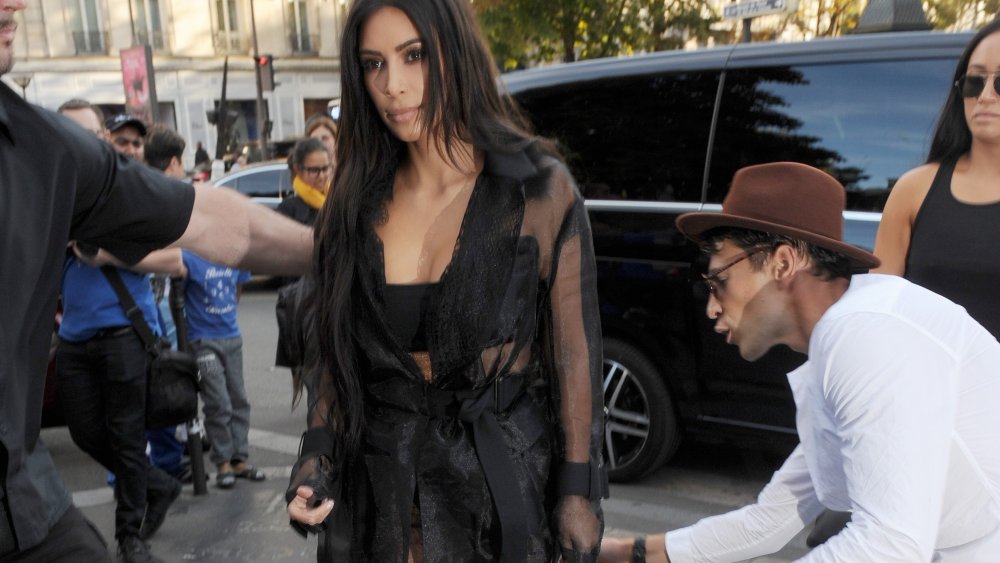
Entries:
{"x":942,"y":221}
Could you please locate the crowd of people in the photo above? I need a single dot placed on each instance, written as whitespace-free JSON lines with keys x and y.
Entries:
{"x":441,"y":315}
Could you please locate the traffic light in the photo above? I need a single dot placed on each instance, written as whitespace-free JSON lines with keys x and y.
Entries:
{"x":213,"y":117}
{"x":266,"y":67}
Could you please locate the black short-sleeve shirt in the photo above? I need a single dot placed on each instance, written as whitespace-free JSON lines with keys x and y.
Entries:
{"x":58,"y":183}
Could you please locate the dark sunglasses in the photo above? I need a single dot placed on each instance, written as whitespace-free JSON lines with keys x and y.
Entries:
{"x":316,"y":170}
{"x":124,"y":142}
{"x":711,"y":278}
{"x":972,"y":85}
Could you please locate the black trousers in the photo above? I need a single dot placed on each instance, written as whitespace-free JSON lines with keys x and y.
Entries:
{"x":72,"y":540}
{"x":102,"y":388}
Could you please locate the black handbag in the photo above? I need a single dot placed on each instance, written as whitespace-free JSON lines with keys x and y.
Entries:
{"x":172,"y":376}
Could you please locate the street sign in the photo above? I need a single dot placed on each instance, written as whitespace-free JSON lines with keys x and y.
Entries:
{"x":754,"y":8}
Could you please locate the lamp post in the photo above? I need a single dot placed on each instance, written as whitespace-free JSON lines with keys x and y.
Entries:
{"x":22,"y":80}
{"x":261,"y":133}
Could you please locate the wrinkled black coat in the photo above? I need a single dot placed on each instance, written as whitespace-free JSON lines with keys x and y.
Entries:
{"x":516,"y":304}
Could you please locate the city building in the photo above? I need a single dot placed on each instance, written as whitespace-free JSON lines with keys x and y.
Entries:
{"x":70,"y":49}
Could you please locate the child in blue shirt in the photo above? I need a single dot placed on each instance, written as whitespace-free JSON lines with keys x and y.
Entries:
{"x":211,"y":293}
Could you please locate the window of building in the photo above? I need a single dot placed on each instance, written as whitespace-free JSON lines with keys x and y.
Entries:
{"x":148,"y":23}
{"x":227,"y":27}
{"x":85,"y":19}
{"x":297,"y":21}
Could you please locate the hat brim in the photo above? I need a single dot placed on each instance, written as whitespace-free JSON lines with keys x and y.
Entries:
{"x":694,"y":225}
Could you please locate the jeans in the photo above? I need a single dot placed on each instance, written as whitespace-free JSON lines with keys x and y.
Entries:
{"x":226,"y":408}
{"x":102,"y":388}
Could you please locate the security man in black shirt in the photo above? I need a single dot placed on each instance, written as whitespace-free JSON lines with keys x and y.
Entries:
{"x":59,"y":183}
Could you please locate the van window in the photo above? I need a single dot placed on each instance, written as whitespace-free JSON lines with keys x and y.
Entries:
{"x":865,"y":123}
{"x":263,"y":183}
{"x":636,"y":138}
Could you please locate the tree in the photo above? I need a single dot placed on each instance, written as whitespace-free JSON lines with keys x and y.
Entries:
{"x":526,"y":32}
{"x":961,"y":14}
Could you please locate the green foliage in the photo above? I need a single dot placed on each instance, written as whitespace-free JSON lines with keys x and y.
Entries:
{"x":961,"y":14}
{"x":527,"y":32}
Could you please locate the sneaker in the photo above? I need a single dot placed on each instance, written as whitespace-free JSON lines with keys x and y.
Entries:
{"x":131,"y":549}
{"x":156,"y":510}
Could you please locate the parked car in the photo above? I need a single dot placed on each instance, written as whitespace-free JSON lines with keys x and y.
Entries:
{"x":650,"y":137}
{"x":266,"y":183}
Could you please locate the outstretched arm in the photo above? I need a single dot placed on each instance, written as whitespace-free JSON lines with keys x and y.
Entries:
{"x":228,"y":228}
{"x":782,"y":509}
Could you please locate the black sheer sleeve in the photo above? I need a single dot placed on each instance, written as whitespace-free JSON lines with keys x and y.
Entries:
{"x":320,"y":463}
{"x":575,"y":352}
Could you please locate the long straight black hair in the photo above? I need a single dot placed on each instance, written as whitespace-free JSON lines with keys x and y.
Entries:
{"x":952,"y":137}
{"x":462,"y":105}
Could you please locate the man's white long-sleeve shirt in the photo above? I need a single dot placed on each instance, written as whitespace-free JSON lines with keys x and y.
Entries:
{"x":899,"y":423}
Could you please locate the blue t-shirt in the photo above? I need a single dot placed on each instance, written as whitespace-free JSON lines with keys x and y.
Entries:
{"x":210,"y":298}
{"x":90,"y":303}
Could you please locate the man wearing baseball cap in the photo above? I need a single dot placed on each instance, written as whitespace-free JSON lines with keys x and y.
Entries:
{"x":898,"y":403}
{"x":128,"y":135}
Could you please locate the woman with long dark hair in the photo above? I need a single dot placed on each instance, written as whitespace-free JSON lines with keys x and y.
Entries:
{"x":459,"y":416}
{"x":942,"y":220}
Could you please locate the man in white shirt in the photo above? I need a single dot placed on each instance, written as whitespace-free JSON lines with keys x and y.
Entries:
{"x":898,"y":403}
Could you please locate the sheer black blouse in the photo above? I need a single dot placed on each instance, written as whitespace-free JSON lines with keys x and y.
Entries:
{"x":513,"y":336}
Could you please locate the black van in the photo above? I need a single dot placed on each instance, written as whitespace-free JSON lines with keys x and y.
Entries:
{"x":650,"y":137}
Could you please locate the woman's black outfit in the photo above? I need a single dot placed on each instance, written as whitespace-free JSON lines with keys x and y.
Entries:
{"x":296,"y":208}
{"x":472,"y":459}
{"x":953,"y":250}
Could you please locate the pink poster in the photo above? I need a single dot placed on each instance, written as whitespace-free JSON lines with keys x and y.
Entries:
{"x":139,"y":82}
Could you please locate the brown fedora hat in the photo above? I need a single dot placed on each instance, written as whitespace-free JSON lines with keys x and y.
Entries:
{"x":784,"y":198}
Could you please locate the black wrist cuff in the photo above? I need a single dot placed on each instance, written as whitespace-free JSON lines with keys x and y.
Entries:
{"x":315,"y":442}
{"x":574,"y":479}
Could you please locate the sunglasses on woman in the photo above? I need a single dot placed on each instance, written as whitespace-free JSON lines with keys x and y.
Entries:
{"x":972,"y":85}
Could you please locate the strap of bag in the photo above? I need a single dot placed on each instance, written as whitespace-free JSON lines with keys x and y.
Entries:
{"x":132,"y":311}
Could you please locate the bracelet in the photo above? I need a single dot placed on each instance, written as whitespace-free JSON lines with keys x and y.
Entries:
{"x":639,"y":550}
{"x":574,"y":479}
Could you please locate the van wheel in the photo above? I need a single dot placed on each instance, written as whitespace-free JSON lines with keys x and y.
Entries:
{"x":640,"y":431}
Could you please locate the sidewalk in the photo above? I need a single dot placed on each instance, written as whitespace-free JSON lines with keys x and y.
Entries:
{"x":247,"y":523}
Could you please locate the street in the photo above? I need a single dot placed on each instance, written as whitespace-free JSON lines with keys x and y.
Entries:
{"x":249,"y":523}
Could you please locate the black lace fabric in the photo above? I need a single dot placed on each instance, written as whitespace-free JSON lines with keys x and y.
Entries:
{"x":513,"y":336}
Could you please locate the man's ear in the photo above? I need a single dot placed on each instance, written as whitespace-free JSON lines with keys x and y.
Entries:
{"x":785,"y":262}
{"x":176,"y":165}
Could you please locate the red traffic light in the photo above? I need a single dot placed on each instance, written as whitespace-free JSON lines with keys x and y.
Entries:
{"x":263,"y":60}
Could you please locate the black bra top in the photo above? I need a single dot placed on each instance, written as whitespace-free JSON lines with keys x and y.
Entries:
{"x":405,"y":309}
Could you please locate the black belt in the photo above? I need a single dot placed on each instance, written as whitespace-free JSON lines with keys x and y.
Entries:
{"x":479,"y":408}
{"x":112,"y":331}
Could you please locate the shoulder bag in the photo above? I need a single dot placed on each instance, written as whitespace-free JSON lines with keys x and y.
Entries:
{"x":172,"y":376}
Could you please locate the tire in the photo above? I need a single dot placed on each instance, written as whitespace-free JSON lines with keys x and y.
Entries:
{"x":641,"y":430}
